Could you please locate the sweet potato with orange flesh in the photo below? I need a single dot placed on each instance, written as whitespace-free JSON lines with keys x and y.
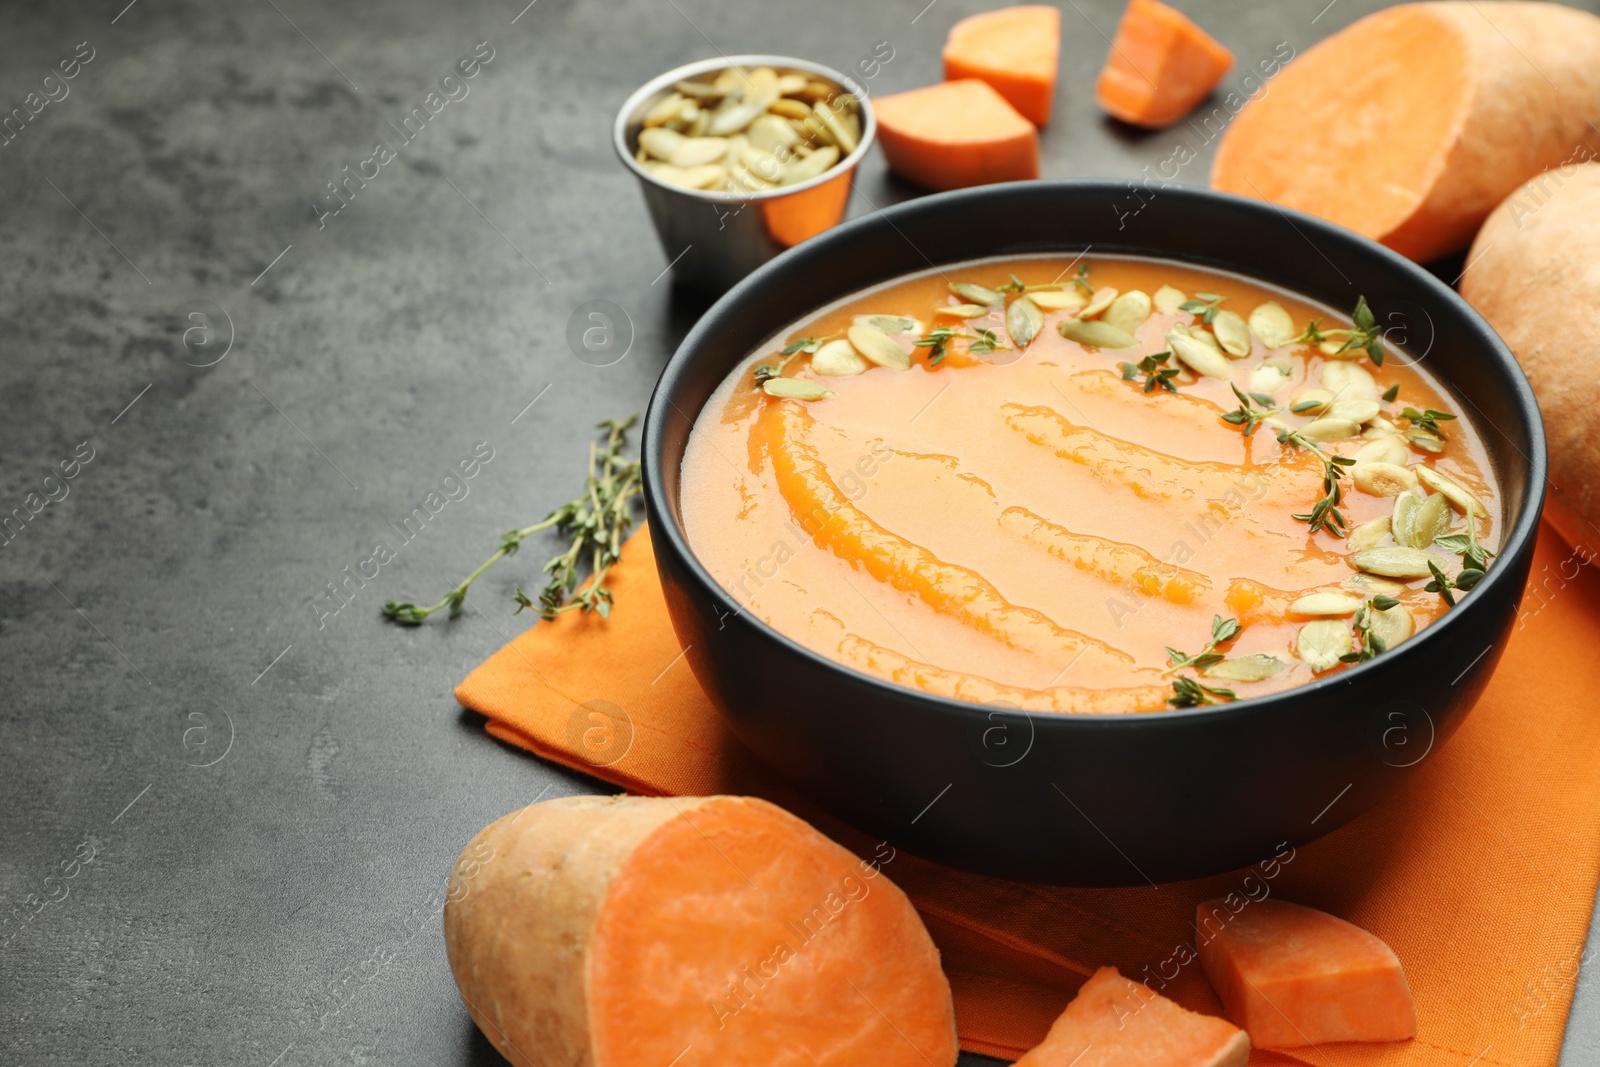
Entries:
{"x":1015,"y":49}
{"x":1116,"y":1022}
{"x":1411,"y":125}
{"x":1160,"y":66}
{"x":1533,"y":274}
{"x":711,"y":931}
{"x":956,"y":134}
{"x":1293,"y":976}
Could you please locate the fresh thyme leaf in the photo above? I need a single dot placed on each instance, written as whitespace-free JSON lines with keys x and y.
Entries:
{"x":1429,"y":420}
{"x":597,"y":522}
{"x":1206,"y":305}
{"x":1188,"y":693}
{"x":1081,"y":280}
{"x":1384,"y":603}
{"x":937,"y":342}
{"x":1156,"y":374}
{"x":1390,"y":393}
{"x":1015,"y":285}
{"x":987,"y":342}
{"x":1370,"y":644}
{"x":1325,"y":513}
{"x":1247,"y":414}
{"x":1222,"y":631}
{"x":1441,"y":584}
{"x":1473,"y":555}
{"x":808,"y":345}
{"x":1367,"y":335}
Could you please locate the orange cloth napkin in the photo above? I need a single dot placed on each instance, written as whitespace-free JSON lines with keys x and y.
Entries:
{"x":1480,"y":870}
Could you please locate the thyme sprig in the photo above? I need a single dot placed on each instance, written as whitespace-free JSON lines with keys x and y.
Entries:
{"x":1366,"y":335}
{"x":1247,"y":414}
{"x":1206,"y":305}
{"x":1370,"y":644}
{"x":1156,"y":374}
{"x":1441,"y":584}
{"x":938,"y":342}
{"x":1222,"y":631}
{"x":1188,"y":693}
{"x":597,"y":521}
{"x":800,"y":345}
{"x":1428,"y":420}
{"x":1473,"y":555}
{"x":1325,"y":513}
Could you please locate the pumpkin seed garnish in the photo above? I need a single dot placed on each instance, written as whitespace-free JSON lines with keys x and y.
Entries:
{"x":1377,"y":478}
{"x":1253,"y":668}
{"x":1098,"y":302}
{"x":1369,"y":534}
{"x":1427,"y":420}
{"x":1128,"y":311}
{"x":1418,"y":521}
{"x":1268,"y":378}
{"x":1198,"y":355}
{"x":1024,"y":320}
{"x":890,"y":323}
{"x":976,"y":294}
{"x":1206,"y":305}
{"x":1095,"y":334}
{"x":878,"y":347}
{"x":1349,"y":381}
{"x":1455,"y":493}
{"x":1059,"y":299}
{"x":1357,"y":411}
{"x":1394,"y":561}
{"x":838,"y":359}
{"x":1232,"y":333}
{"x":1370,"y":637}
{"x":1322,"y":644}
{"x":1371,"y":584}
{"x":1328,"y":428}
{"x":1426,"y":440}
{"x":1156,"y":375}
{"x":1336,"y":604}
{"x":795,"y":389}
{"x":1168,"y":300}
{"x":1386,"y":449}
{"x":962,"y":311}
{"x":1272,"y":324}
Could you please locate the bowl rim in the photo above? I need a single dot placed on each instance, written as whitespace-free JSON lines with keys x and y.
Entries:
{"x":642,"y":95}
{"x":666,"y":532}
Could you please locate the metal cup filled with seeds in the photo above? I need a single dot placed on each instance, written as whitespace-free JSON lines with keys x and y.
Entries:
{"x":742,"y":157}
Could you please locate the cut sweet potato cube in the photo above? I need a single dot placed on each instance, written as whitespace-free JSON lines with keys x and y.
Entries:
{"x":1016,"y":50}
{"x":1160,"y":66}
{"x":1117,"y":1022}
{"x":1293,"y":976}
{"x":956,"y":134}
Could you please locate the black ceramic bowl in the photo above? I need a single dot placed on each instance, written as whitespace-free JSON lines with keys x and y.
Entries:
{"x":1086,"y":799}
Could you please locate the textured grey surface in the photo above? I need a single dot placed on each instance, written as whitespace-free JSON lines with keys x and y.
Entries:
{"x":270,"y":800}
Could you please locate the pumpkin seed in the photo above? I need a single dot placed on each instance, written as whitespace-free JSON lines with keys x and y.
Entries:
{"x":1425,"y":439}
{"x":700,"y":90}
{"x":1354,"y":410}
{"x":878,"y":346}
{"x":1321,"y":643}
{"x":1098,"y":302}
{"x":1393,"y":625}
{"x":660,"y":142}
{"x":789,"y":84}
{"x":1128,"y":311}
{"x":1325,"y":604}
{"x":1267,"y":378}
{"x":764,"y":166}
{"x":1380,"y":427}
{"x":1311,"y":402}
{"x":698,"y":151}
{"x":1232,"y":333}
{"x":835,"y":126}
{"x":1383,"y":479}
{"x":1060,"y":299}
{"x":1348,"y":381}
{"x":838,"y":359}
{"x":1334,"y":350}
{"x":890,"y":323}
{"x":1255,"y":668}
{"x":1168,"y":300}
{"x":1095,"y":334}
{"x":1457,"y":495}
{"x":1395,"y":561}
{"x":1024,"y":320}
{"x":770,"y":132}
{"x":1369,"y":534}
{"x":1197,"y":354}
{"x":1272,"y":324}
{"x":666,"y":109}
{"x":734,"y":119}
{"x":1417,"y":520}
{"x":809,"y":167}
{"x":1386,"y":449}
{"x":1328,"y":428}
{"x":977,"y":294}
{"x":703,"y":177}
{"x":1369,"y":585}
{"x":962,"y":311}
{"x":790,"y":109}
{"x":795,"y":389}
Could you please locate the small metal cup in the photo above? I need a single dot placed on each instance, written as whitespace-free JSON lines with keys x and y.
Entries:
{"x":713,"y":239}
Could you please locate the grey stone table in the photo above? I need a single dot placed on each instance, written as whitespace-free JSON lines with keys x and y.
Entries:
{"x":250,"y":381}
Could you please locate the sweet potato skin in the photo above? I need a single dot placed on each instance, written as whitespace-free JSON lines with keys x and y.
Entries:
{"x":1534,"y":87}
{"x":526,"y":987}
{"x":1533,"y":274}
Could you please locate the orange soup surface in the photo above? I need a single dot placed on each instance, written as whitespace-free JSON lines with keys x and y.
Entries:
{"x":1055,"y":506}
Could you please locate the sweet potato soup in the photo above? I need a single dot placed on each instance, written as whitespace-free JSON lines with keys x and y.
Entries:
{"x":1109,"y":486}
